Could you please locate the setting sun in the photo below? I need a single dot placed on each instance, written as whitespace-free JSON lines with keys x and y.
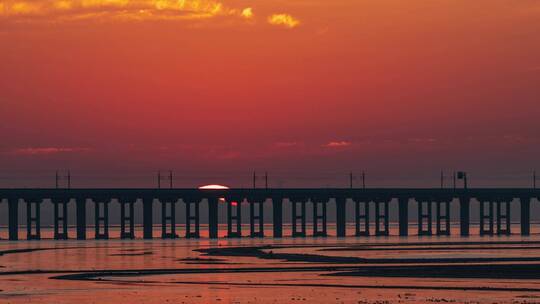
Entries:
{"x":213,"y":187}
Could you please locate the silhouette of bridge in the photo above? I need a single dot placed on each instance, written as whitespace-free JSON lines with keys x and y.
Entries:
{"x":494,"y":210}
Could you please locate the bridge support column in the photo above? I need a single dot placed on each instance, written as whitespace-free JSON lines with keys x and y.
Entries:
{"x":213,"y":218}
{"x":33,"y":226}
{"x":147,"y":218}
{"x":443,"y":218}
{"x":277,"y":208}
{"x":298,"y":215}
{"x":403,"y":216}
{"x":341,"y":217}
{"x":361,"y":218}
{"x":60,"y":218}
{"x":256,"y":219}
{"x":13,"y":210}
{"x":192,"y":220}
{"x":101,"y":215}
{"x":319,"y":218}
{"x":464,"y":215}
{"x":127,"y":221}
{"x":80,"y":204}
{"x":168,"y":218}
{"x":381,"y":218}
{"x":503,"y":218}
{"x":486,"y":218}
{"x":525,"y":204}
{"x":425,"y":218}
{"x":234,"y":219}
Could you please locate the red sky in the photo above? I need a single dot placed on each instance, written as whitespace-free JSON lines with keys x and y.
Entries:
{"x":308,"y":90}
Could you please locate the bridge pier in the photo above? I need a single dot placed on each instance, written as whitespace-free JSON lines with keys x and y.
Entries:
{"x":362,"y":217}
{"x":33,"y":226}
{"x":13,"y":210}
{"x":60,"y":217}
{"x":80,"y":204}
{"x":234,"y":219}
{"x":443,"y":218}
{"x":425,"y":217}
{"x":298,"y":215}
{"x":319,"y":218}
{"x":525,"y":204}
{"x":503,"y":217}
{"x":168,"y":218}
{"x":147,"y":218}
{"x":486,"y":218}
{"x":277,"y":214}
{"x":403,"y":205}
{"x":213,"y":217}
{"x":464,"y":215}
{"x":382,"y":218}
{"x":192,"y":219}
{"x":256,"y":218}
{"x":495,"y":210}
{"x":341,"y":216}
{"x":101,"y":220}
{"x":127,"y":221}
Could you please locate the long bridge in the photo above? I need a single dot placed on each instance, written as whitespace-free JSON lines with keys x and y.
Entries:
{"x":494,"y":210}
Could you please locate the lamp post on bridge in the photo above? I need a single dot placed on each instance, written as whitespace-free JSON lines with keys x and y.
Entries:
{"x":255,"y":178}
{"x":166,"y":178}
{"x":444,"y":177}
{"x":461,"y":175}
{"x":66,"y":178}
{"x":352,"y":177}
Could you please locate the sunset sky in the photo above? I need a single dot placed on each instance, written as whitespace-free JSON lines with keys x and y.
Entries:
{"x":115,"y":90}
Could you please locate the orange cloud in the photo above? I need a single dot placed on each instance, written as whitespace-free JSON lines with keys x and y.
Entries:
{"x":21,"y":8}
{"x":338,"y":144}
{"x":247,"y":13}
{"x":69,"y":10}
{"x":283,"y":20}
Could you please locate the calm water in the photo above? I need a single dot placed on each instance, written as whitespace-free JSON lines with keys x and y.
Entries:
{"x":270,"y":270}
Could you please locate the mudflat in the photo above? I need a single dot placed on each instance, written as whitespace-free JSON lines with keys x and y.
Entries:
{"x":322,"y":270}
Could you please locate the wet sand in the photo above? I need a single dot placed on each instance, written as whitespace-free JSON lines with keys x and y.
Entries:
{"x":322,"y":270}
